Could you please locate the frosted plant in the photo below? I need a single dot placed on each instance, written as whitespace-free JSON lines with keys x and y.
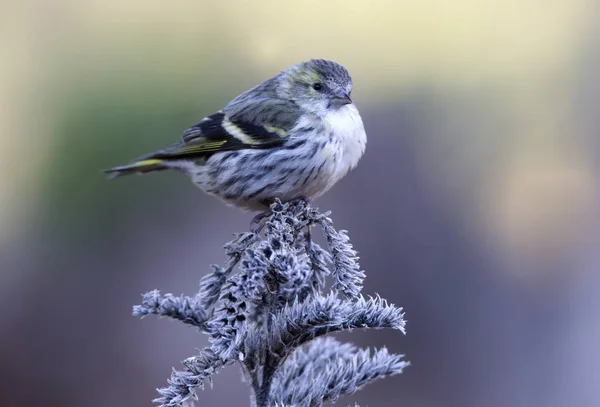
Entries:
{"x":268,"y":310}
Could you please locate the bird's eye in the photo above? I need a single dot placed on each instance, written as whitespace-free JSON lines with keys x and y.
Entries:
{"x":317,"y":86}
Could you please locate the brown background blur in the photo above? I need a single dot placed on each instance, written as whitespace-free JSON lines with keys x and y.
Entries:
{"x":476,"y":206}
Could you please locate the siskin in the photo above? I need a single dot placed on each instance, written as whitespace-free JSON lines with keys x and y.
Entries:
{"x":291,"y":137}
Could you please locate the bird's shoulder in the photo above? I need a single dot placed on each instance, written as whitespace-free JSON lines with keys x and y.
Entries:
{"x":252,"y":121}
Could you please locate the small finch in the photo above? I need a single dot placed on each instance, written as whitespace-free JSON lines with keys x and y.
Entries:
{"x":291,"y":137}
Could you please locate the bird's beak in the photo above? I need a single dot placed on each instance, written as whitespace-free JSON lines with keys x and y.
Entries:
{"x":341,"y":98}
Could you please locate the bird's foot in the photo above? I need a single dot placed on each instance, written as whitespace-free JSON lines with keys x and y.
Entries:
{"x":300,"y":200}
{"x":299,"y":203}
{"x":257,"y":224}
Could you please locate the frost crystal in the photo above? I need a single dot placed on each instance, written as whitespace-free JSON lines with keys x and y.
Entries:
{"x":268,"y":310}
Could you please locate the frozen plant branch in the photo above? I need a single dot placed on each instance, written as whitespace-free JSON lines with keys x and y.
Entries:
{"x":182,"y":308}
{"x":268,"y":309}
{"x":324,"y":369}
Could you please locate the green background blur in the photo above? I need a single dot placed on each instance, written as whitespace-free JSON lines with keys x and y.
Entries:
{"x":476,"y":206}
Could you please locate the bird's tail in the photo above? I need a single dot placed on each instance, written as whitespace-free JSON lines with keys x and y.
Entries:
{"x":138,"y":167}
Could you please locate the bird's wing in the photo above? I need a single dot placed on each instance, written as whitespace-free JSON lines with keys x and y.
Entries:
{"x":258,"y":125}
{"x":246,"y":123}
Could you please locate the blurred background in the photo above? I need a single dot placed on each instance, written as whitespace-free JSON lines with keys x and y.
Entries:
{"x":476,"y":206}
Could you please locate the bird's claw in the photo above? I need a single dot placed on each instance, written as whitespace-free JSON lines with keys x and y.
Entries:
{"x":257,"y":224}
{"x":301,"y":199}
{"x":299,"y":203}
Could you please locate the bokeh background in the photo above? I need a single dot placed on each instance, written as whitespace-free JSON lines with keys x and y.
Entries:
{"x":476,"y":206}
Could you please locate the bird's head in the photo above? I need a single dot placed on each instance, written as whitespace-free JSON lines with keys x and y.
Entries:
{"x":317,"y":85}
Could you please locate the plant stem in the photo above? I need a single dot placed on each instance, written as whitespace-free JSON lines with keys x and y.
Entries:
{"x":270,"y":365}
{"x":251,"y":376}
{"x":262,"y":398}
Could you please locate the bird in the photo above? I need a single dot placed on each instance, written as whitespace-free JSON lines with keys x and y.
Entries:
{"x":291,"y":137}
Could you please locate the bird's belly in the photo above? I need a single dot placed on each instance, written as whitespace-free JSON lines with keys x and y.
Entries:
{"x":326,"y":171}
{"x":252,"y":178}
{"x":298,"y":176}
{"x":319,"y":174}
